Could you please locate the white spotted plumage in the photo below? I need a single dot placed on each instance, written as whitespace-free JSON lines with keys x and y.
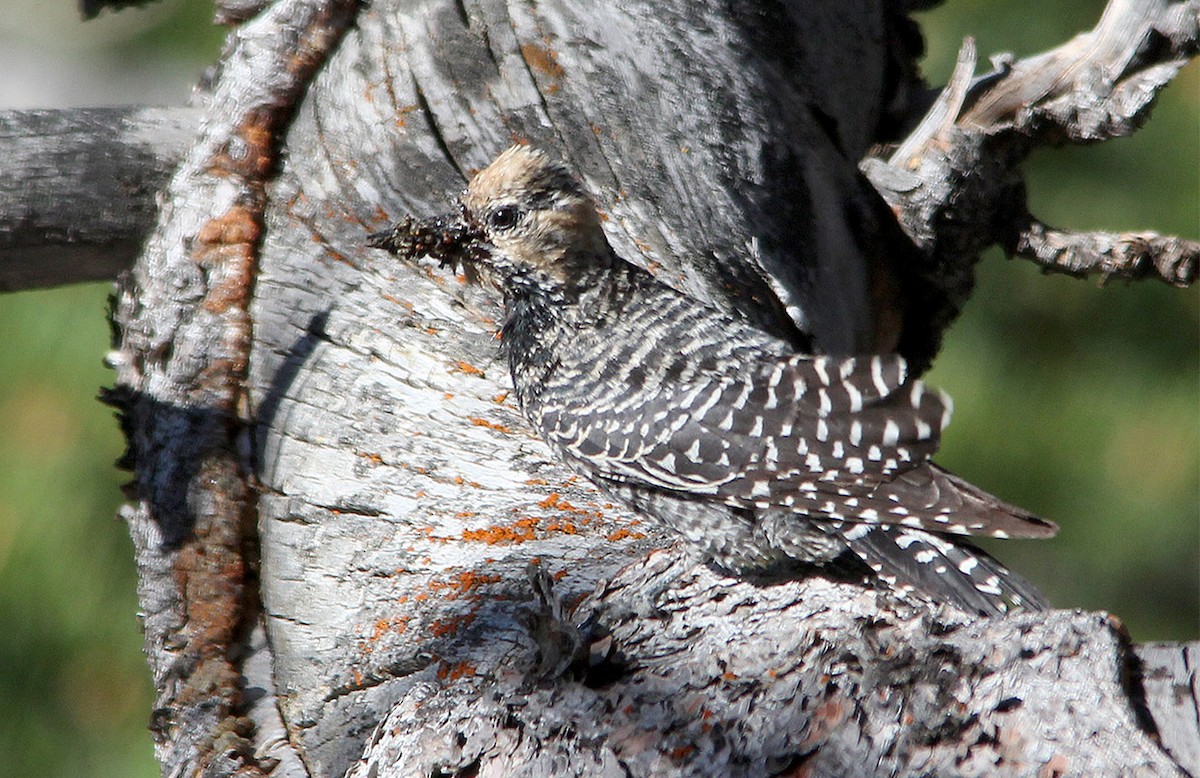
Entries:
{"x":759,"y":456}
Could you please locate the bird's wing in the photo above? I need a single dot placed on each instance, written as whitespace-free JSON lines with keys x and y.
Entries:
{"x":845,"y":438}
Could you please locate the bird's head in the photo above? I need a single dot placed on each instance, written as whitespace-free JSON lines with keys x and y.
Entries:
{"x":523,"y":217}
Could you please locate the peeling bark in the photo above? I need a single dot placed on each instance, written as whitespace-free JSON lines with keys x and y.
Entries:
{"x":182,"y":365}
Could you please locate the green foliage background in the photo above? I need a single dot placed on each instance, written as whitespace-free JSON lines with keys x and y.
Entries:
{"x":1078,"y":401}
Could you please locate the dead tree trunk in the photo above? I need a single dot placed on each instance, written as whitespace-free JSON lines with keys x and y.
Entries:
{"x":353,"y":553}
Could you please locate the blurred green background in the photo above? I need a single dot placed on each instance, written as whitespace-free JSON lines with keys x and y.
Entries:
{"x":1076,"y":401}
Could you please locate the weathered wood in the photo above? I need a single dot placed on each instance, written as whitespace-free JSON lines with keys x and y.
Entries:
{"x":957,"y":182}
{"x":181,"y":369}
{"x":1132,"y":255}
{"x":1170,"y":678}
{"x":719,"y":677}
{"x":400,"y":498}
{"x":415,"y":478}
{"x":77,"y":198}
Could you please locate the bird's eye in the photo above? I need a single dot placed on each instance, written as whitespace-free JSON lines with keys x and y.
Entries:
{"x":503,"y":217}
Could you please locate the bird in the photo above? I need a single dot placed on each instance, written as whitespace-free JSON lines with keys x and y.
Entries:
{"x":768,"y":462}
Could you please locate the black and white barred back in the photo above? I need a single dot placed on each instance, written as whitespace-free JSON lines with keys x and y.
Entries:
{"x":760,"y":457}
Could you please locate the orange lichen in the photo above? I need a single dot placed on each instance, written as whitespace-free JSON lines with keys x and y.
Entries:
{"x":443,"y":627}
{"x":623,"y":533}
{"x":544,"y":61}
{"x":469,"y":580}
{"x":336,"y":256}
{"x":478,"y":422}
{"x":381,"y":628}
{"x":453,"y":672}
{"x":467,"y":368}
{"x":402,"y":114}
{"x":517,"y":532}
{"x":463,"y":583}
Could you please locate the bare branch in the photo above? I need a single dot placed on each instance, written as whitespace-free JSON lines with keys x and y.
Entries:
{"x":77,"y":198}
{"x":1099,"y":85}
{"x":1130,"y":255}
{"x":960,"y":189}
{"x":942,"y":115}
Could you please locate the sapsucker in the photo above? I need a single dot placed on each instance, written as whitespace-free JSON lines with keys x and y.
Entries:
{"x":766,"y":460}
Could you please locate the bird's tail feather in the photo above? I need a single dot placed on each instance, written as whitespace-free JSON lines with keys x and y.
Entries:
{"x":955,"y":572}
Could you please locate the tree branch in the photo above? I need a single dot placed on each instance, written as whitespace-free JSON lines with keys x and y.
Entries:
{"x":181,"y":367}
{"x":957,"y":185}
{"x":1099,"y":85}
{"x":1130,"y":255}
{"x":77,"y":198}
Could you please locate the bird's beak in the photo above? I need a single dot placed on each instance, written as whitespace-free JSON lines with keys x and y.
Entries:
{"x":447,"y":238}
